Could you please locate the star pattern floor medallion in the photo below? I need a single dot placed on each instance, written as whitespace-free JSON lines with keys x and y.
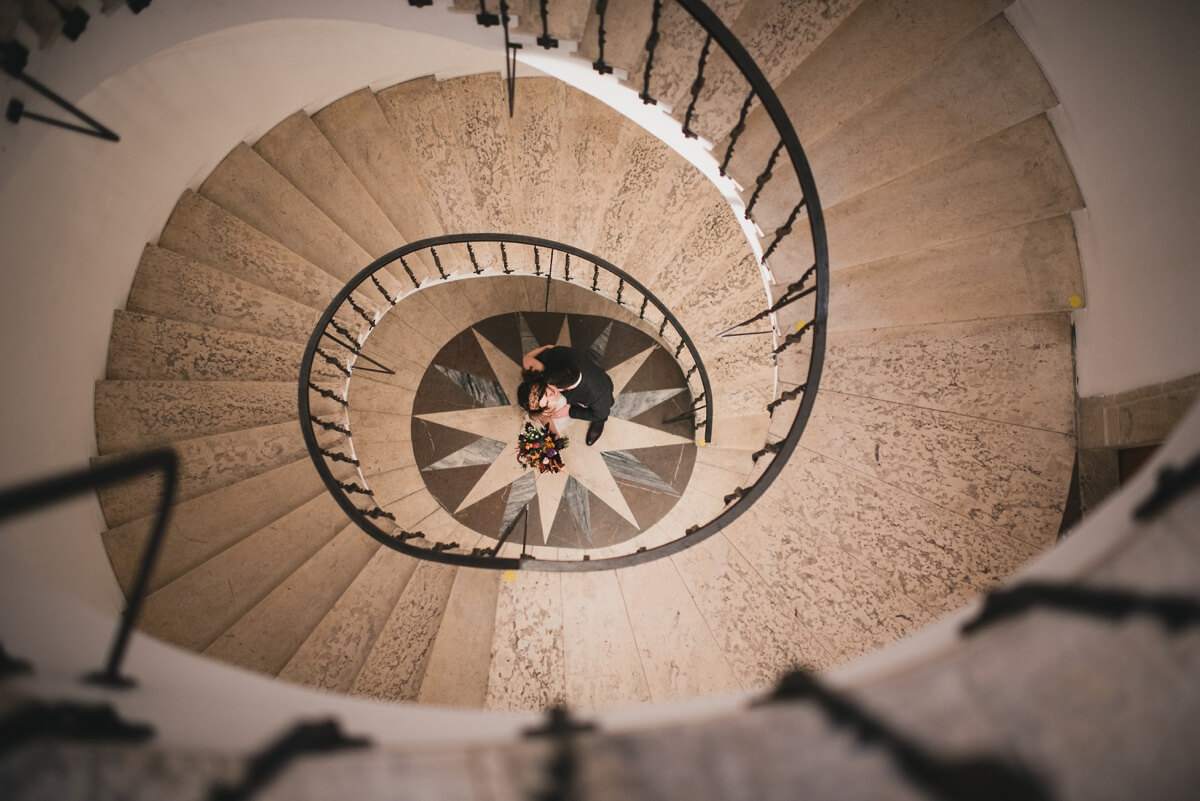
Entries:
{"x":465,"y":426}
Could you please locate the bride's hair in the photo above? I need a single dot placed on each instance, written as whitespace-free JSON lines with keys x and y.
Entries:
{"x":529,"y":393}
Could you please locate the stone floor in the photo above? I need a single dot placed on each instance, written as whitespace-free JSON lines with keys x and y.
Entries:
{"x":465,"y":427}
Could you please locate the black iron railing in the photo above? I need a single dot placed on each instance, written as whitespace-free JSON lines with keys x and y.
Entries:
{"x":336,"y":351}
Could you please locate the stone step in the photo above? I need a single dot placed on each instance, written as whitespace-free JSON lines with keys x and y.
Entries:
{"x":332,"y":655}
{"x":876,"y":48}
{"x":245,"y":185}
{"x":358,"y":130}
{"x":477,"y":110}
{"x":986,"y":83}
{"x":177,"y":287}
{"x":267,"y":636}
{"x":603,"y":666}
{"x":779,"y":37}
{"x":431,"y":134}
{"x":677,"y":56}
{"x":298,"y":150}
{"x":745,"y":432}
{"x":737,"y":462}
{"x":204,"y":526}
{"x":626,"y":26}
{"x":460,"y":659}
{"x":755,"y":628}
{"x":132,"y":415}
{"x":157,"y":349}
{"x":528,"y":666}
{"x":952,"y":198}
{"x":204,"y":231}
{"x":205,"y":464}
{"x":845,"y":604}
{"x":1012,"y":477}
{"x":1028,"y":269}
{"x":372,"y":392}
{"x":195,"y":608}
{"x":565,"y":19}
{"x":584,"y":184}
{"x":535,"y":131}
{"x":1006,"y":369}
{"x":383,"y":457}
{"x":670,"y":631}
{"x":396,"y":664}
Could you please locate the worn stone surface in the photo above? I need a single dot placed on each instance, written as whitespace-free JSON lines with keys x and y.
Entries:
{"x":952,"y":198}
{"x":1016,"y":370}
{"x":985,"y":84}
{"x":298,"y":150}
{"x":395,"y":668}
{"x":267,"y":636}
{"x":205,"y":464}
{"x":1028,"y":269}
{"x":680,"y":656}
{"x":460,"y":661}
{"x":535,"y":130}
{"x":208,"y":524}
{"x":843,"y":602}
{"x":154,"y":348}
{"x":422,"y":125}
{"x":246,"y":185}
{"x":757,"y":632}
{"x":140,"y":414}
{"x":332,"y":655}
{"x":875,"y":49}
{"x":358,"y":130}
{"x":528,"y":667}
{"x":594,"y":140}
{"x":202,"y":230}
{"x":478,"y":112}
{"x":603,"y":666}
{"x":1012,"y":477}
{"x":179,"y":288}
{"x":195,"y":608}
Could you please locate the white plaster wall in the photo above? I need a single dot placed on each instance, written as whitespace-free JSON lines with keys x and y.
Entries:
{"x":181,"y":89}
{"x":1128,"y":77}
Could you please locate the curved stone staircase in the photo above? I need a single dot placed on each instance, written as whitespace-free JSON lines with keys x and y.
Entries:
{"x":936,"y":462}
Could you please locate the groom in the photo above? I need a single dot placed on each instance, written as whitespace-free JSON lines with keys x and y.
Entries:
{"x":554,"y":374}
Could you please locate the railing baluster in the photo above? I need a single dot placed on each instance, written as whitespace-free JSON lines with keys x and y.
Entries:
{"x":416,"y":284}
{"x":736,"y":133}
{"x":566,"y":266}
{"x":537,"y":261}
{"x":642,"y":311}
{"x":651,"y":47}
{"x":438,"y":263}
{"x":620,"y":289}
{"x":783,"y":230}
{"x":763,"y":177}
{"x":474,"y":263}
{"x":546,"y":40}
{"x":504,"y":259}
{"x":595,"y":277}
{"x":391,"y":301}
{"x":697,"y":85}
{"x":598,"y":65}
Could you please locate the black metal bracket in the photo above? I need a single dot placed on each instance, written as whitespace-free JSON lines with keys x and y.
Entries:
{"x":1175,"y":612}
{"x":89,"y":723}
{"x":1172,"y":483}
{"x":13,"y":58}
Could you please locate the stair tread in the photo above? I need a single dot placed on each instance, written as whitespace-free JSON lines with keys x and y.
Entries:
{"x":332,"y":655}
{"x":460,"y":657}
{"x":298,"y":150}
{"x":196,"y":607}
{"x":206,"y":464}
{"x":202,"y":230}
{"x":170,"y":285}
{"x":528,"y":666}
{"x":267,"y":636}
{"x":207,"y":525}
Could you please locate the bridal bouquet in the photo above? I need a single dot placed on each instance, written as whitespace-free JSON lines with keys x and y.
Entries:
{"x":541,"y":449}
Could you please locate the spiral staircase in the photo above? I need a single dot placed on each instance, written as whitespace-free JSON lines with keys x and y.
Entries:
{"x":935,"y":464}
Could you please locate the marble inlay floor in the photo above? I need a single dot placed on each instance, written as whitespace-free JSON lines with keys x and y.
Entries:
{"x":465,"y":427}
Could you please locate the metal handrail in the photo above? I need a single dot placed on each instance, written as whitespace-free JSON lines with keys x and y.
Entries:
{"x":364,"y":278}
{"x":743,"y":497}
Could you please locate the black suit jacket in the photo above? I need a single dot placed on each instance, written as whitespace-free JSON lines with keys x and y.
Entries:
{"x":593,"y":398}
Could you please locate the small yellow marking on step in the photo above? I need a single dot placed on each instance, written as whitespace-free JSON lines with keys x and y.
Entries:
{"x":510,"y":575}
{"x":801,"y":324}
{"x":1075,"y":301}
{"x":701,"y":444}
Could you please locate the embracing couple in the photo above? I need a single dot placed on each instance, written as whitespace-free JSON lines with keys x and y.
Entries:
{"x":559,"y":382}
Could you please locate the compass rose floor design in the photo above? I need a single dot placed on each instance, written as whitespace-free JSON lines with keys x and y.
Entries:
{"x":465,"y":426}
